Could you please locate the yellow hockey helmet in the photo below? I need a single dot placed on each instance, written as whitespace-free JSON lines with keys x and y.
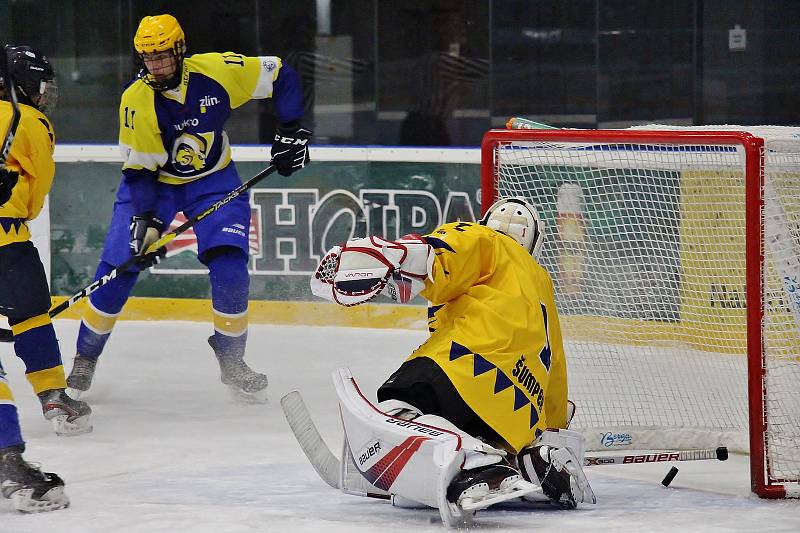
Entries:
{"x":158,"y":34}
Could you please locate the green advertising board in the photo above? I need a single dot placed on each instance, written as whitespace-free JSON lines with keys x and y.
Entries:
{"x":294,"y":220}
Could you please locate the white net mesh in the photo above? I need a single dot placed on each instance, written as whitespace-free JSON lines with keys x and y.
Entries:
{"x":646,"y":247}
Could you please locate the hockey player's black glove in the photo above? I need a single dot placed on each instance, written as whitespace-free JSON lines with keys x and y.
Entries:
{"x":145,"y":230}
{"x":8,"y":179}
{"x":290,"y":148}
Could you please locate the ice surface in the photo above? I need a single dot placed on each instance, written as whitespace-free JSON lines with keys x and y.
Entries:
{"x":172,"y":451}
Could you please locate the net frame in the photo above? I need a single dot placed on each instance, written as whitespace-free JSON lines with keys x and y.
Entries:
{"x":763,"y":481}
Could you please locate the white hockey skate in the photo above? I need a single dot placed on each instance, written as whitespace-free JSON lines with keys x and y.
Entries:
{"x":29,"y":489}
{"x":480,"y":488}
{"x":69,"y":417}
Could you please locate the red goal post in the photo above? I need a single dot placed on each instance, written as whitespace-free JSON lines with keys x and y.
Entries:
{"x":668,"y":292}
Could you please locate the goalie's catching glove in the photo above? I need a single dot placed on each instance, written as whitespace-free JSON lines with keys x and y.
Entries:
{"x":361,"y":269}
{"x":8,"y":179}
{"x":290,"y":148}
{"x":145,"y":230}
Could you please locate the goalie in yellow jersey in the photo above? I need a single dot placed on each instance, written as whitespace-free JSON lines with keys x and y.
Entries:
{"x":493,"y":369}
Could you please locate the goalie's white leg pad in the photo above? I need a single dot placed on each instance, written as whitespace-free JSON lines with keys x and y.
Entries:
{"x":352,"y":481}
{"x":403,"y":457}
{"x":399,"y":408}
{"x":69,"y":428}
{"x":405,"y":503}
{"x":417,"y":460}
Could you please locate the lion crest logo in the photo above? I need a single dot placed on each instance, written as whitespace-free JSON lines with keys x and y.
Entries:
{"x":190,"y":151}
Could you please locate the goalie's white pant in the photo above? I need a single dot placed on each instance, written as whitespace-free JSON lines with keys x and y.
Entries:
{"x":414,"y":459}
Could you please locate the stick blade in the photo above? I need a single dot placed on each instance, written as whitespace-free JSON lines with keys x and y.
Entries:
{"x":307,"y":435}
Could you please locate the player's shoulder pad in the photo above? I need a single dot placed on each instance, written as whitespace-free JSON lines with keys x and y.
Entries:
{"x":131,"y":81}
{"x":449,"y":235}
{"x":36,"y":123}
{"x":462,"y":227}
{"x":209,"y":63}
{"x":137,"y":91}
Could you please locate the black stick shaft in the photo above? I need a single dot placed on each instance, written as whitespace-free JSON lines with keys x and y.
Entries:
{"x":11,"y":92}
{"x":7,"y":335}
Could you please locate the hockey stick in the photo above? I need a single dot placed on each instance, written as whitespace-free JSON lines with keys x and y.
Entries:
{"x":8,"y":84}
{"x":721,"y":454}
{"x":318,"y":453}
{"x":328,"y":466}
{"x":7,"y":336}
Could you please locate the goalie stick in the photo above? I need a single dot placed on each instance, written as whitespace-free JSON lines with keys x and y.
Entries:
{"x":720,"y":454}
{"x":329,"y":467}
{"x":8,"y":336}
{"x":319,"y":455}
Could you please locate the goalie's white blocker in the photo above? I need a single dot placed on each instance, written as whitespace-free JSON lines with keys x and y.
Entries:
{"x":359,"y":270}
{"x":519,"y":220}
{"x":413,"y":459}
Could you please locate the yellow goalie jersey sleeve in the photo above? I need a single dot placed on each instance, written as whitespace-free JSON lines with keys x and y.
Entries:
{"x":31,"y":156}
{"x":495,"y":331}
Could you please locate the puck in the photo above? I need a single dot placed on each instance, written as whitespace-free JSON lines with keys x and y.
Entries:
{"x":670,"y":476}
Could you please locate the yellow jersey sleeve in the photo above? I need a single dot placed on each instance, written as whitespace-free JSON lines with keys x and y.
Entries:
{"x":464,"y":255}
{"x":140,"y":141}
{"x":244,"y":78}
{"x":31,"y":156}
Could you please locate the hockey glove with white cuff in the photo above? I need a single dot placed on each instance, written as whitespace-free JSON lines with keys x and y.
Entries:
{"x":145,"y":230}
{"x":8,"y":179}
{"x":290,"y":148}
{"x":361,"y":269}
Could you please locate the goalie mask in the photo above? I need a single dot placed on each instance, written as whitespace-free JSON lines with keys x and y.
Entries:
{"x":519,"y":220}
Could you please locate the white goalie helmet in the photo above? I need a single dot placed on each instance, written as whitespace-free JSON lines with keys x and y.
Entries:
{"x":519,"y":220}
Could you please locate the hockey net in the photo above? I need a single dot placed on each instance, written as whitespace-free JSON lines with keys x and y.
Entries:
{"x":674,"y":256}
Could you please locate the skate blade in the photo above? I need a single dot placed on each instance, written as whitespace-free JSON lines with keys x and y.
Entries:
{"x":70,"y":428}
{"x":513,"y":491}
{"x":241,"y":396}
{"x":75,"y":394}
{"x":52,"y":500}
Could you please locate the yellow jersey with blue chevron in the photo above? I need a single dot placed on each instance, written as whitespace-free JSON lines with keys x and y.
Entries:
{"x":31,"y":156}
{"x":179,"y":133}
{"x":495,"y":331}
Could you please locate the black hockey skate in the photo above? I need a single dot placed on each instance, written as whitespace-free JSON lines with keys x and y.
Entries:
{"x":240,"y":378}
{"x":69,"y":417}
{"x":481,"y":487}
{"x":556,"y":484}
{"x":30,"y":489}
{"x":80,"y":378}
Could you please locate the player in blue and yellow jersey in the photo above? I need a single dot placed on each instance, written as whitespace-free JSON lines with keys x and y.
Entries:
{"x":494,"y":365}
{"x":177,"y":157}
{"x":25,"y":180}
